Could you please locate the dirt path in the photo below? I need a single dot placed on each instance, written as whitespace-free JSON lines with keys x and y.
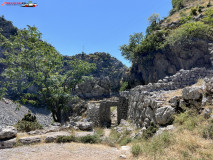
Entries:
{"x":68,"y":151}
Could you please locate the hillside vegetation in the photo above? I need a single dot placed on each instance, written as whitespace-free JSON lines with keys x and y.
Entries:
{"x":179,"y":41}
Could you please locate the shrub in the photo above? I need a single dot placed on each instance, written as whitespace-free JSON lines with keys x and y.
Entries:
{"x":136,"y":150}
{"x":124,"y":86}
{"x":188,"y":32}
{"x":151,"y":130}
{"x":125,"y":141}
{"x":188,"y":120}
{"x":177,"y":4}
{"x":208,"y":19}
{"x":200,"y":9}
{"x":193,"y":11}
{"x":90,"y":139}
{"x":65,"y":139}
{"x":28,"y":123}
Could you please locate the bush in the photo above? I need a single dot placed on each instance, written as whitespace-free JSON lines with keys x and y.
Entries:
{"x":151,"y":130}
{"x":124,"y":86}
{"x":188,"y":120}
{"x":188,"y":32}
{"x":200,"y":9}
{"x":193,"y":11}
{"x":90,"y":139}
{"x":208,"y":19}
{"x":65,"y":139}
{"x":125,"y":141}
{"x":177,"y":4}
{"x":109,"y":141}
{"x":28,"y":123}
{"x":136,"y":150}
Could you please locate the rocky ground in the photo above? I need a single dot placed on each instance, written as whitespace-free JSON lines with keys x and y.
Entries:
{"x":68,"y":151}
{"x":10,"y":115}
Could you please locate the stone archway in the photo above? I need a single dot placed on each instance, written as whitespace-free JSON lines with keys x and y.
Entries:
{"x":99,"y":111}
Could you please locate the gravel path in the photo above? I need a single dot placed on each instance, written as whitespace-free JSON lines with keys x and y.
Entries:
{"x":68,"y":151}
{"x":9,"y":115}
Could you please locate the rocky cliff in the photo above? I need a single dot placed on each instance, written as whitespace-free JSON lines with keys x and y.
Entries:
{"x":107,"y":66}
{"x":175,"y":43}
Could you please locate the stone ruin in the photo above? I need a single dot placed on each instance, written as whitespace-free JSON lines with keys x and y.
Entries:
{"x":146,"y":103}
{"x":99,"y":111}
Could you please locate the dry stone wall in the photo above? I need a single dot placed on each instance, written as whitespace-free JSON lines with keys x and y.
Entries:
{"x":146,"y":103}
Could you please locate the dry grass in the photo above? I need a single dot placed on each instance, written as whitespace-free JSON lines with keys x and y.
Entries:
{"x":186,"y":11}
{"x":179,"y":144}
{"x":171,"y":94}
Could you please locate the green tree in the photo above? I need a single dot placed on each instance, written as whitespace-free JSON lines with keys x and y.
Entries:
{"x":128,"y":50}
{"x":154,"y":23}
{"x":32,"y":62}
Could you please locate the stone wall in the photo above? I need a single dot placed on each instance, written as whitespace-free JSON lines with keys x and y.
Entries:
{"x":181,"y":79}
{"x":146,"y":103}
{"x":99,"y":111}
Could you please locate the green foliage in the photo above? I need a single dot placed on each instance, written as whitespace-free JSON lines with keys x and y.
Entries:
{"x":114,"y":135}
{"x":124,"y":86}
{"x":128,"y":50}
{"x":193,"y":11}
{"x":109,"y":141}
{"x":188,"y":32}
{"x":65,"y":139}
{"x":154,"y":23}
{"x":125,"y":141}
{"x":208,"y":19}
{"x":208,"y":131}
{"x":200,"y":9}
{"x":188,"y":120}
{"x":28,"y":123}
{"x":185,"y":19}
{"x":151,"y":130}
{"x":136,"y":150}
{"x":177,"y":4}
{"x":90,"y":139}
{"x":99,"y":131}
{"x":31,"y":62}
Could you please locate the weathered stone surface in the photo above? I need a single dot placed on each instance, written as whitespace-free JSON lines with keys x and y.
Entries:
{"x":8,"y":132}
{"x":207,"y":113}
{"x":164,"y":115}
{"x":7,"y":143}
{"x":85,"y":126}
{"x":94,"y":88}
{"x":51,"y":137}
{"x":30,"y":140}
{"x":192,"y":93}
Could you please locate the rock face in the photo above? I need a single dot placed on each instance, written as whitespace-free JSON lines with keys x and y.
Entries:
{"x":8,"y":143}
{"x":164,"y":115}
{"x":30,"y":140}
{"x":8,"y":132}
{"x":168,"y":62}
{"x":94,"y":88}
{"x":107,"y":66}
{"x":85,"y":126}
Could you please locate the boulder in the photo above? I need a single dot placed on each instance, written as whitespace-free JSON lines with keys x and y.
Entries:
{"x":192,"y":93}
{"x":85,"y":126}
{"x":8,"y":132}
{"x":30,"y":140}
{"x":164,"y":115}
{"x":51,"y":137}
{"x":7,"y":143}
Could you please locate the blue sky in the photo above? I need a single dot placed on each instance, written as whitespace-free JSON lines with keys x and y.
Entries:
{"x":73,"y":26}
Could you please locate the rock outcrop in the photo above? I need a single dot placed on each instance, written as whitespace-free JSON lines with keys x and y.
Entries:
{"x":107,"y":66}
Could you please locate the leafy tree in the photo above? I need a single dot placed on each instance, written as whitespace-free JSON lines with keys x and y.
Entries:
{"x":32,"y":62}
{"x":154,"y":23}
{"x":128,"y":50}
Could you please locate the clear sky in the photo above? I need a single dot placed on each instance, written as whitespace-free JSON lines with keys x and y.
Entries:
{"x":73,"y":26}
